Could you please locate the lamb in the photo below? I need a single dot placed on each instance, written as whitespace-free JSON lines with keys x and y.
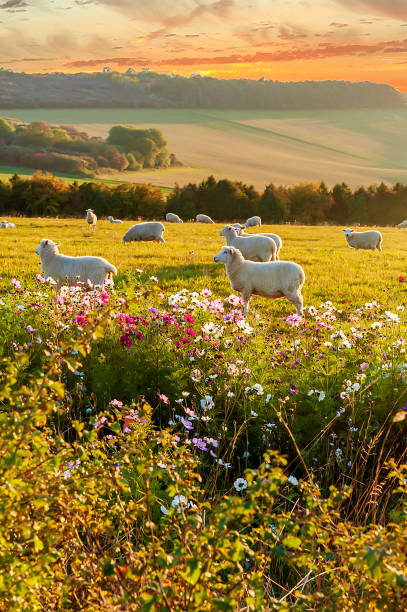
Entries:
{"x":255,"y":248}
{"x":91,"y":218}
{"x":204,"y":219}
{"x":364,"y":240}
{"x":7,"y":225}
{"x":150,"y":230}
{"x":173,"y":218}
{"x":402,"y":225}
{"x":111,"y":220}
{"x":279,"y":243}
{"x":64,"y":269}
{"x":253,"y":222}
{"x":272,"y":279}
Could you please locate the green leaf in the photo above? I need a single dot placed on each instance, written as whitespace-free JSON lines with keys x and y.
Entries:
{"x":292,"y":542}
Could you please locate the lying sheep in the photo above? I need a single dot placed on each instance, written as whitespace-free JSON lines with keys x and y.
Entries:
{"x":64,"y":269}
{"x":364,"y":240}
{"x":150,"y":230}
{"x":173,"y":218}
{"x":111,"y":220}
{"x":203,"y":219}
{"x":273,"y":279}
{"x":402,"y":225}
{"x":7,"y":225}
{"x":253,"y":222}
{"x":279,"y":243}
{"x":91,"y":218}
{"x":255,"y":248}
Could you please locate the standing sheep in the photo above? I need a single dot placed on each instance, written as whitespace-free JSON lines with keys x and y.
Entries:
{"x":7,"y":225}
{"x":148,"y":231}
{"x":279,"y":243}
{"x":272,"y":279}
{"x":204,"y":219}
{"x":111,"y":220}
{"x":364,"y":240}
{"x":402,"y":225}
{"x":255,"y":248}
{"x":91,"y":218}
{"x":64,"y":269}
{"x":173,"y":218}
{"x":253,"y":222}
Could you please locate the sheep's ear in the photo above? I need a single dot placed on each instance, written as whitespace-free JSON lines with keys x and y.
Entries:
{"x":230,"y":227}
{"x":46,"y":242}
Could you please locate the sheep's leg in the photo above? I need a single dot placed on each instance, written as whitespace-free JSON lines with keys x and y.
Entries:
{"x":379,"y":245}
{"x":298,"y":302}
{"x":245,"y":298}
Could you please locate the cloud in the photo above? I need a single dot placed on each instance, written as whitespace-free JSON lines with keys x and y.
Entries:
{"x":13,"y":5}
{"x":395,"y":9}
{"x":335,"y":24}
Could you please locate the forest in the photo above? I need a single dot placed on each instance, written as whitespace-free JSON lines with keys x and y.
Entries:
{"x":147,"y":89}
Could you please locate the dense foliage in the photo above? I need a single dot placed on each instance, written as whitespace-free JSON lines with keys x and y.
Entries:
{"x":148,"y":89}
{"x":66,"y":149}
{"x":182,"y":502}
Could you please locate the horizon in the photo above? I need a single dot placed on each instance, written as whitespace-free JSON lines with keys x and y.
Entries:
{"x":335,"y":40}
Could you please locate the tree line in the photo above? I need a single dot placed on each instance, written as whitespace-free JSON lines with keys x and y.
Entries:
{"x":223,"y":200}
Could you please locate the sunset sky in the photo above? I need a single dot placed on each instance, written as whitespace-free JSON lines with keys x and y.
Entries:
{"x":280,"y":39}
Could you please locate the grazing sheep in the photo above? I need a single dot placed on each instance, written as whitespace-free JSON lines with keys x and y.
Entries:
{"x":364,"y":240}
{"x":253,"y":222}
{"x":7,"y":225}
{"x":279,"y":243}
{"x":173,"y":218}
{"x":402,"y":225}
{"x":272,"y":279}
{"x":150,"y":230}
{"x":203,"y":219}
{"x":64,"y":269}
{"x":111,"y":220}
{"x":91,"y":218}
{"x":255,"y":248}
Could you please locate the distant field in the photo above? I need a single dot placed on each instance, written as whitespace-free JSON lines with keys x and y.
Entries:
{"x":258,"y":147}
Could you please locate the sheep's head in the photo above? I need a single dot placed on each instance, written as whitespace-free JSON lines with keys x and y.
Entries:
{"x":348,"y":232}
{"x":47,"y":245}
{"x":225,"y":255}
{"x":227,"y":230}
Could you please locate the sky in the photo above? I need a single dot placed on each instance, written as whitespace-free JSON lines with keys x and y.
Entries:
{"x":286,"y":40}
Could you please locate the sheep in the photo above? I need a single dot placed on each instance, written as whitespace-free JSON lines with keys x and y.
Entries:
{"x":151,"y":230}
{"x":272,"y":279}
{"x":253,"y":222}
{"x":255,"y":248}
{"x":402,"y":225}
{"x":7,"y":225}
{"x":111,"y":220}
{"x":364,"y":240}
{"x":204,"y":219}
{"x":173,"y":218}
{"x":64,"y":269}
{"x":91,"y":218}
{"x":279,"y":243}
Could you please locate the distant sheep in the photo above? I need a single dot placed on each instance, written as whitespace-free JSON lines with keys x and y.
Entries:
{"x":111,"y":220}
{"x":64,"y":269}
{"x":402,"y":225}
{"x":253,"y":222}
{"x":273,"y":279}
{"x":364,"y":240}
{"x":203,"y":219}
{"x":148,"y":231}
{"x":173,"y":218}
{"x":255,"y":248}
{"x":279,"y":243}
{"x":7,"y":225}
{"x":91,"y":218}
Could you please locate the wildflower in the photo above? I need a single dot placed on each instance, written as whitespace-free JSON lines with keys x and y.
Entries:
{"x":232,"y":369}
{"x":206,"y":292}
{"x":245,"y":327}
{"x":293,"y":390}
{"x":356,"y":386}
{"x":339,"y":454}
{"x":207,"y":402}
{"x":164,"y":510}
{"x":258,"y":388}
{"x":16,"y":283}
{"x":186,"y":423}
{"x":245,"y":455}
{"x":310,"y":392}
{"x":364,"y":365}
{"x":40,"y":278}
{"x":196,"y":375}
{"x":268,"y":398}
{"x":253,"y":414}
{"x":321,"y":396}
{"x":163,"y":398}
{"x":401,"y":279}
{"x":240,"y":483}
{"x":392,"y":316}
{"x":154,"y":279}
{"x":292,"y":480}
{"x":116,"y":402}
{"x":230,"y":394}
{"x":125,"y":340}
{"x":139,"y":271}
{"x":271,"y":426}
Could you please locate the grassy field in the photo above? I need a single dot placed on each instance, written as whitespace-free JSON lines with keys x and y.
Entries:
{"x":359,"y":147}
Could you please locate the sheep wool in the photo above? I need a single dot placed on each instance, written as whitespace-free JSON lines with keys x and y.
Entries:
{"x":148,"y":231}
{"x":203,"y":219}
{"x":7,"y":225}
{"x":272,"y":279}
{"x":111,"y":220}
{"x":173,"y":218}
{"x":91,"y":218}
{"x":402,"y":225}
{"x":253,"y":222}
{"x":253,"y":247}
{"x":279,"y":243}
{"x":364,"y":240}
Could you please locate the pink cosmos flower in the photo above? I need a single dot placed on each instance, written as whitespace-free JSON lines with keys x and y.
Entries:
{"x":16,"y":283}
{"x":163,"y":398}
{"x":40,"y":278}
{"x":116,"y":402}
{"x":401,"y":279}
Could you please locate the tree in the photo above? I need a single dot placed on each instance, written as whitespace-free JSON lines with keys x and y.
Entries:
{"x":6,"y":132}
{"x":273,"y":207}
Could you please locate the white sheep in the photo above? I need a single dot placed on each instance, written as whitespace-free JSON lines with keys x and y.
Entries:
{"x":203,"y":219}
{"x":279,"y":243}
{"x":7,"y":225}
{"x":173,"y":218}
{"x":253,"y":222}
{"x":91,"y":218}
{"x":64,"y":269}
{"x":272,"y":279}
{"x":402,"y":225}
{"x":111,"y":220}
{"x":255,"y":248}
{"x":150,"y":230}
{"x":364,"y":240}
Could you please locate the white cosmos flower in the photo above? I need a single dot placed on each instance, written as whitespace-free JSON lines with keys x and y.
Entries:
{"x":231,"y":394}
{"x":196,"y":375}
{"x":240,"y":484}
{"x":245,"y":327}
{"x":258,"y":388}
{"x":356,"y":386}
{"x":392,"y":316}
{"x":292,"y":480}
{"x":321,"y":396}
{"x":210,"y":328}
{"x":164,"y":510}
{"x":253,"y":414}
{"x":207,"y":402}
{"x":268,"y":398}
